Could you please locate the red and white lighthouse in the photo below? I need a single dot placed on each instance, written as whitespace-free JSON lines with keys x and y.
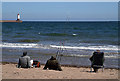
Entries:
{"x":18,"y":16}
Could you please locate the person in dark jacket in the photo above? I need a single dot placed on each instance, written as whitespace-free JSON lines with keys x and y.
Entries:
{"x":97,"y":60}
{"x":52,"y":64}
{"x":24,"y":61}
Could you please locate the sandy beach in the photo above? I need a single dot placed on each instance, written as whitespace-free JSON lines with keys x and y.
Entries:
{"x":9,"y":71}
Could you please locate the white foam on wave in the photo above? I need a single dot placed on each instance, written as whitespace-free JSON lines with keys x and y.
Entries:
{"x":112,"y":57}
{"x":76,"y":55}
{"x":109,"y":47}
{"x":35,"y":45}
{"x":19,"y":45}
{"x":39,"y":33}
{"x":24,"y":45}
{"x":74,"y":34}
{"x":80,"y":55}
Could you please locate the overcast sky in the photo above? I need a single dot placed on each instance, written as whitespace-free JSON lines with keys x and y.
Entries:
{"x":60,"y":11}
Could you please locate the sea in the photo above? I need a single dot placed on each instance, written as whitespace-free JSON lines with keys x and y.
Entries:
{"x":73,"y":43}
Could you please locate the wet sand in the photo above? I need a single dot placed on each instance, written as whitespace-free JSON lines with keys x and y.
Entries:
{"x":9,"y":71}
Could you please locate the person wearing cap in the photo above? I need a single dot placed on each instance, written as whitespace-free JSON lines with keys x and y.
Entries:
{"x":52,"y":64}
{"x":24,"y":61}
{"x":97,"y":60}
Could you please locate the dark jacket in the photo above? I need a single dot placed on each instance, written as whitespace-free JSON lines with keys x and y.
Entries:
{"x":97,"y":58}
{"x":52,"y":64}
{"x":24,"y":62}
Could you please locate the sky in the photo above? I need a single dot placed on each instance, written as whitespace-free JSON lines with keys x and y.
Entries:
{"x":60,"y":0}
{"x":60,"y":11}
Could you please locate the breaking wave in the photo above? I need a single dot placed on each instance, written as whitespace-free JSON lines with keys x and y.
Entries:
{"x":76,"y":50}
{"x":35,"y":45}
{"x":108,"y":47}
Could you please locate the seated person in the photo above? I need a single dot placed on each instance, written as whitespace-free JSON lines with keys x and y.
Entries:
{"x":97,"y":60}
{"x":24,"y":61}
{"x":53,"y":64}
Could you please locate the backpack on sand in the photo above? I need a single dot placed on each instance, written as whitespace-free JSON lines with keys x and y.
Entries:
{"x":36,"y":64}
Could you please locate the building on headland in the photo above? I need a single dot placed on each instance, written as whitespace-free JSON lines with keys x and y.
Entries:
{"x":18,"y":19}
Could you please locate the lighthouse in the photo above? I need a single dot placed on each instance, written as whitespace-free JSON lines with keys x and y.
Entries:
{"x":18,"y":17}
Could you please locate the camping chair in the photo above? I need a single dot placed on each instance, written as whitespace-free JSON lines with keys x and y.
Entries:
{"x":102,"y":67}
{"x":97,"y":61}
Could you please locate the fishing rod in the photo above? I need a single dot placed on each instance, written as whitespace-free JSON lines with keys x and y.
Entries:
{"x":62,"y":48}
{"x":61,"y":51}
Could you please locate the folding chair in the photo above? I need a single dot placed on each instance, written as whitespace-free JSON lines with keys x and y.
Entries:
{"x":98,"y":66}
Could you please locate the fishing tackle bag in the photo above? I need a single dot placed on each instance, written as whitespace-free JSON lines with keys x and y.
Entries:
{"x":36,"y":64}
